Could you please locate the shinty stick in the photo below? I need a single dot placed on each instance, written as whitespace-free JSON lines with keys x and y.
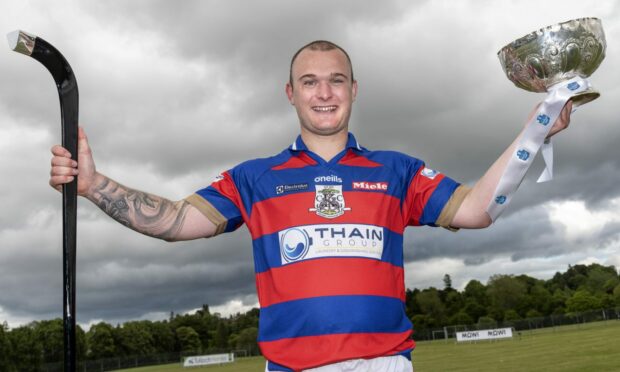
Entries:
{"x":62,"y":73}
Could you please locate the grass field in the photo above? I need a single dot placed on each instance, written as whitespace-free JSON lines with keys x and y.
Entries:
{"x":584,"y":347}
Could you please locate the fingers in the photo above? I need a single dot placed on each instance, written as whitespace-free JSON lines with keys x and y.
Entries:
{"x":58,"y":150}
{"x":57,"y":181}
{"x":63,"y":168}
{"x":563,"y":121}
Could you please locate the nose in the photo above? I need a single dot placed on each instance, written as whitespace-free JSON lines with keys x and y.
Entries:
{"x":325,"y":91}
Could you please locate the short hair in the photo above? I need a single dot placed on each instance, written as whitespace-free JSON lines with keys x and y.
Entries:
{"x":323,"y":46}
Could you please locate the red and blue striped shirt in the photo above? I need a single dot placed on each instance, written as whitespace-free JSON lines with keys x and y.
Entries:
{"x":328,"y":246}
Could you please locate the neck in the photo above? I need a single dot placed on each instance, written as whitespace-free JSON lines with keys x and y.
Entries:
{"x":325,"y":146}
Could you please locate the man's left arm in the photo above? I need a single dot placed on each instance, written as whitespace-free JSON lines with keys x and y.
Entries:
{"x":472,"y":213}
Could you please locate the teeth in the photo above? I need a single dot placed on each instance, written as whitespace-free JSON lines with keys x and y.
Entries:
{"x":324,"y":108}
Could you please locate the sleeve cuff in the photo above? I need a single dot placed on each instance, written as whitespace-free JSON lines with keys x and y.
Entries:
{"x":452,"y":206}
{"x":209,"y":211}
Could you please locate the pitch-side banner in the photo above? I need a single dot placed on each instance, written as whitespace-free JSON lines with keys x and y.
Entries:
{"x":204,"y":360}
{"x":485,"y":334}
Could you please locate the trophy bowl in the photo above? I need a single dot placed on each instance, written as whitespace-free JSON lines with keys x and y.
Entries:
{"x":553,"y":54}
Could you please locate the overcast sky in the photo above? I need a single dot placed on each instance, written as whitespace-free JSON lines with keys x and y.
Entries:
{"x":173,"y":92}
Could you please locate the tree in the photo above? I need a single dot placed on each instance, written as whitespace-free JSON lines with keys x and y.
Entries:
{"x":163,"y":337}
{"x":5,"y":349}
{"x":100,"y":338}
{"x":505,"y":292}
{"x":453,"y":301}
{"x":412,"y":308}
{"x":447,"y":282}
{"x":477,"y":292}
{"x":27,"y":350}
{"x":431,"y":305}
{"x":220,"y":337}
{"x":189,"y":340}
{"x":51,"y":335}
{"x":598,"y":276}
{"x":616,"y":295}
{"x":582,"y":300}
{"x":474,"y":309}
{"x":511,"y":314}
{"x":486,"y":322}
{"x":460,"y":318}
{"x":540,"y":299}
{"x":135,"y":338}
{"x":246,"y":340}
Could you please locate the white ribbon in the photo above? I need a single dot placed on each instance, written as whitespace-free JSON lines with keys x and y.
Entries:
{"x":534,"y":137}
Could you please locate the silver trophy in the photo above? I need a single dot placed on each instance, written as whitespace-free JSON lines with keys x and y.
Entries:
{"x":554,"y":54}
{"x":556,"y":59}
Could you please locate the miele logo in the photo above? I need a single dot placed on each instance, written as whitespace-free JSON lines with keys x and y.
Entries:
{"x":381,"y":186}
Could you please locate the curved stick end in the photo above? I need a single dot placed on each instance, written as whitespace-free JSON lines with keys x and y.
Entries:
{"x":21,"y":42}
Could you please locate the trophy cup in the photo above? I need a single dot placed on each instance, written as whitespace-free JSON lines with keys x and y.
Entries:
{"x":556,"y":59}
{"x":551,"y":55}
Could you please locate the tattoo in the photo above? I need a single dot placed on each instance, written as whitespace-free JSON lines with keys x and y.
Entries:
{"x":146,"y":213}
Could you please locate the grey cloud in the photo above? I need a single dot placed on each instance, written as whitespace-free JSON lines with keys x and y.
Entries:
{"x":202,"y":90}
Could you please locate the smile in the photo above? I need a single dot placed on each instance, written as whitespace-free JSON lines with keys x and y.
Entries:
{"x":324,"y":108}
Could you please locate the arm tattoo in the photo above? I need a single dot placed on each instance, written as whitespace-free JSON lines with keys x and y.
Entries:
{"x":146,"y":213}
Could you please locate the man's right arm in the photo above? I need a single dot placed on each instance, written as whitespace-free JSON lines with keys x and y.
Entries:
{"x":143,"y":212}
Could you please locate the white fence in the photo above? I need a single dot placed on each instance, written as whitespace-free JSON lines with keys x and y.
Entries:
{"x":205,"y":360}
{"x":485,"y":334}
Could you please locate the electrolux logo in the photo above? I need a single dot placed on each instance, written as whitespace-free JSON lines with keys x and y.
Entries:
{"x":281,"y":189}
{"x":327,"y":240}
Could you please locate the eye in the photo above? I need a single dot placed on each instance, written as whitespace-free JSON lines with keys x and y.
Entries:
{"x":337,"y":81}
{"x":309,"y":83}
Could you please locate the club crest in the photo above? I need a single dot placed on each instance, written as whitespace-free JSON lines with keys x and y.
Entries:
{"x":329,"y":201}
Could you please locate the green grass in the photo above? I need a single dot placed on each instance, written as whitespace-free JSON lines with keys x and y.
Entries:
{"x":584,"y":347}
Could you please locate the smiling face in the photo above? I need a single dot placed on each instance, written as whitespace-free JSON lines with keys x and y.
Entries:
{"x":322,"y":91}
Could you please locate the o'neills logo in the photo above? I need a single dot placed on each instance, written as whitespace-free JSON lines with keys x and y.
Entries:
{"x":330,"y":178}
{"x":379,"y":186}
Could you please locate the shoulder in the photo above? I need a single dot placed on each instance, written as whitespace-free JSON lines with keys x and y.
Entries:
{"x":395,"y":160}
{"x":255,"y":168}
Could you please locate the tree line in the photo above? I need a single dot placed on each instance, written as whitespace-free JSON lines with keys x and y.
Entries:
{"x":503,"y":298}
{"x":29,"y":347}
{"x":509,"y":297}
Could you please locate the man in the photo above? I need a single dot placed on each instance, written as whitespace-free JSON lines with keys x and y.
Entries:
{"x":326,"y":218}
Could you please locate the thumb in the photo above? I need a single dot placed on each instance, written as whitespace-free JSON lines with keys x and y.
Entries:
{"x":83,"y":145}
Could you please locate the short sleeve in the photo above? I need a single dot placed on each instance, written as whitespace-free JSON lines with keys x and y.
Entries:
{"x":432,"y":198}
{"x":220,"y":202}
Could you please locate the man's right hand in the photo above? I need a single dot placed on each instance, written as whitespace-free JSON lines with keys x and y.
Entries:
{"x":64,"y":169}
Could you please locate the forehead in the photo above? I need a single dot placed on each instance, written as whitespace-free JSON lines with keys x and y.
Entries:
{"x":317,"y":62}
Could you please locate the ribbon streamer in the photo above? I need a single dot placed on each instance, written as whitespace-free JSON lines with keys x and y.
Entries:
{"x":534,"y":137}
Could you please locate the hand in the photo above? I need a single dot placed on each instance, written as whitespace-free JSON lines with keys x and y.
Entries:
{"x":561,"y":122}
{"x":64,"y":169}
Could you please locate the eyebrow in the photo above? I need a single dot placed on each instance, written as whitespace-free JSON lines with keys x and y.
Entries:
{"x":331,"y":76}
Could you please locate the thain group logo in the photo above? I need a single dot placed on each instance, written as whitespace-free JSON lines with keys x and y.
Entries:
{"x":327,"y":240}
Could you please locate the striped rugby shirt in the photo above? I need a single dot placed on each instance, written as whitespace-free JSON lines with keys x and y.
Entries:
{"x":328,"y":246}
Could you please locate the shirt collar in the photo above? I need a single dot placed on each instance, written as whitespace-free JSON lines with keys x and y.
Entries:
{"x":299,"y":144}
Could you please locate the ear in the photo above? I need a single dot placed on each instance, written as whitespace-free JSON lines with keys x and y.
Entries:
{"x":289,"y":93}
{"x":354,"y":90}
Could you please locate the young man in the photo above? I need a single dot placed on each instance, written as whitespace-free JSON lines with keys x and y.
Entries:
{"x":326,"y":217}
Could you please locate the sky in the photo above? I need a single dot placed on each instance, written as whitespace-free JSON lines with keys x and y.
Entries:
{"x":174,"y":92}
